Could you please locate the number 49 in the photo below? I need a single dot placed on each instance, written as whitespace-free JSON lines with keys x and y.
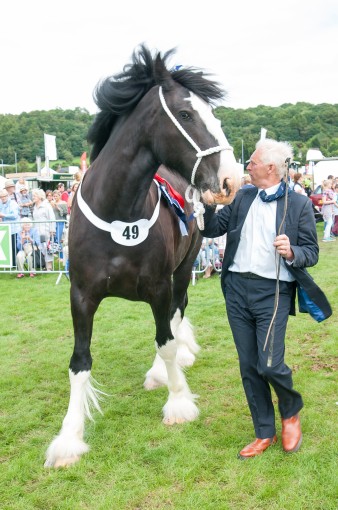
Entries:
{"x":132,"y":232}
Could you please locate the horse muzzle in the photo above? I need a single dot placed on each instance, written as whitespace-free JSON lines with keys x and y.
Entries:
{"x":225,"y":196}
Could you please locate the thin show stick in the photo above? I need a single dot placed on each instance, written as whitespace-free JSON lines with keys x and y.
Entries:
{"x":271,"y":330}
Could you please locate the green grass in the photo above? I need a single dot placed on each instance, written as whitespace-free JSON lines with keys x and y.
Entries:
{"x":135,"y":462}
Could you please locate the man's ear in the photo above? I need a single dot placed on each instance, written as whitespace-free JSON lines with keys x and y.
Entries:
{"x":271,"y":168}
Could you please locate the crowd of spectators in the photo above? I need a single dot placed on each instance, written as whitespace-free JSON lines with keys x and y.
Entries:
{"x":39,"y":224}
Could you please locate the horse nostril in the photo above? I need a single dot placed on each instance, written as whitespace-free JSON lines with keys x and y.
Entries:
{"x":225,"y":185}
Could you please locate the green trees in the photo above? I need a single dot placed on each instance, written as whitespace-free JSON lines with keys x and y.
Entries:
{"x":23,"y":134}
{"x":304,"y":125}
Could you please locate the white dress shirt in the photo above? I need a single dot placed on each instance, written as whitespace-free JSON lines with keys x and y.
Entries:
{"x":255,"y":252}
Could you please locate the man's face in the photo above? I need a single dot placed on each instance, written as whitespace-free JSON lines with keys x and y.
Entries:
{"x":257,"y":170}
{"x":4,"y":196}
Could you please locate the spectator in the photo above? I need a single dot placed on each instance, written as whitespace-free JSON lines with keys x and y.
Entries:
{"x":65,"y":250}
{"x":9,"y":212}
{"x":64,"y":193}
{"x":49,"y":195}
{"x":25,"y":202}
{"x":335,"y":212}
{"x":209,"y":256}
{"x":307,"y":184}
{"x":298,"y":184}
{"x":44,"y":215}
{"x":60,"y":209}
{"x":246,"y":181}
{"x":74,"y":187}
{"x":291,"y":177}
{"x":10,"y":187}
{"x":20,"y":182}
{"x":27,"y":238}
{"x":327,"y":211}
{"x":78,"y":177}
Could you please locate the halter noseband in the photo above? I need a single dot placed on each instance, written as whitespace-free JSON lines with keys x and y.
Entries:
{"x":198,"y":206}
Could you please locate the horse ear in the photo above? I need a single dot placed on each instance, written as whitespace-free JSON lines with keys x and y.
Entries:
{"x":161,"y":74}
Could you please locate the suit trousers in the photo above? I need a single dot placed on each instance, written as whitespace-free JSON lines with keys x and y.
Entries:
{"x":250,"y":306}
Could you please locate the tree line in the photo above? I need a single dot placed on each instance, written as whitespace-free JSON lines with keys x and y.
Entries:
{"x":304,"y":125}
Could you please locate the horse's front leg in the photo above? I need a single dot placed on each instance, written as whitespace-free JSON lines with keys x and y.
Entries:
{"x":67,"y":447}
{"x":180,"y":406}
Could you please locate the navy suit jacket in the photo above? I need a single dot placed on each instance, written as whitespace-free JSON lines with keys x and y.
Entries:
{"x":299,"y":226}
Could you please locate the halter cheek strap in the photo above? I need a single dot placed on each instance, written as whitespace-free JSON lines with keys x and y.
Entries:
{"x":196,"y":197}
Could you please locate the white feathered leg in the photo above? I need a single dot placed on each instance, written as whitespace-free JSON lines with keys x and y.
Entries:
{"x":185,"y":338}
{"x":187,"y":348}
{"x":180,"y":406}
{"x":157,"y":375}
{"x":67,"y":447}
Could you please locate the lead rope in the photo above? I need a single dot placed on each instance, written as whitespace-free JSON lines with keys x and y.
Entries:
{"x":271,"y":330}
{"x":195,"y":199}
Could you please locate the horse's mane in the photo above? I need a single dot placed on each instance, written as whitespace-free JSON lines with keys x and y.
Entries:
{"x":117,"y":95}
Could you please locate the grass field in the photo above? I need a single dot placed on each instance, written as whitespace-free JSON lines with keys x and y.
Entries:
{"x":135,"y":462}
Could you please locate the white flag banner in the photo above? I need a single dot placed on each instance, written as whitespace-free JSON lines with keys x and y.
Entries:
{"x":50,"y":147}
{"x":263,"y":133}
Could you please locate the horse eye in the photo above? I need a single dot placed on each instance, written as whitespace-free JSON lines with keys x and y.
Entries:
{"x":184,"y":115}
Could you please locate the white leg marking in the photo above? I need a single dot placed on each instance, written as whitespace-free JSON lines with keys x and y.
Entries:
{"x":186,"y":350}
{"x":180,"y":406}
{"x":184,"y":335}
{"x":67,"y":447}
{"x":156,"y":375}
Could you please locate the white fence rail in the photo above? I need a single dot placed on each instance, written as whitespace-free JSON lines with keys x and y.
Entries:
{"x":29,"y":247}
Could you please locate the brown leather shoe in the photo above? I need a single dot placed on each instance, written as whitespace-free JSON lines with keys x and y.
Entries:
{"x":291,"y":434}
{"x":257,"y":447}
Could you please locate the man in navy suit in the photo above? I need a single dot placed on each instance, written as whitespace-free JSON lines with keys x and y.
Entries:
{"x":260,"y":234}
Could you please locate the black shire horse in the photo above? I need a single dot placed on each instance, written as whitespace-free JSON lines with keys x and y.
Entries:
{"x":125,"y":240}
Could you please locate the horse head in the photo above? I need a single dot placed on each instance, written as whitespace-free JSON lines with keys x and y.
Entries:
{"x":186,"y":97}
{"x":199,"y":151}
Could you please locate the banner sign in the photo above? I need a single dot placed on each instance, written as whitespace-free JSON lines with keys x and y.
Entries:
{"x":263,"y":133}
{"x":50,"y":147}
{"x":5,"y":246}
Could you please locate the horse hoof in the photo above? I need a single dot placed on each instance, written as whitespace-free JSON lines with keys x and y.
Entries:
{"x":184,"y":357}
{"x":63,"y":462}
{"x":151,"y":384}
{"x":173,"y":421}
{"x":180,"y":410}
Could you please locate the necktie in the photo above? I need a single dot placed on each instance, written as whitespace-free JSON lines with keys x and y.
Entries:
{"x":275,"y":196}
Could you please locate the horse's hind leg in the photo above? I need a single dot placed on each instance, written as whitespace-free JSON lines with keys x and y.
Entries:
{"x":68,"y":445}
{"x":180,"y":325}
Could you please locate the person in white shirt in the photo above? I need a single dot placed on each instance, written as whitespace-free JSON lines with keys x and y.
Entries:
{"x":263,"y":239}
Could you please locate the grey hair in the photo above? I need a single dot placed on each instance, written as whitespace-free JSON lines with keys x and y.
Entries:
{"x":273,"y":152}
{"x":40,"y":193}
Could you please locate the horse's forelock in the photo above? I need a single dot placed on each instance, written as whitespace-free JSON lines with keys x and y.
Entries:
{"x":197,"y":82}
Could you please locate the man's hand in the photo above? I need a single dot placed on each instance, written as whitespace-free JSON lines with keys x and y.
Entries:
{"x":282,"y":244}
